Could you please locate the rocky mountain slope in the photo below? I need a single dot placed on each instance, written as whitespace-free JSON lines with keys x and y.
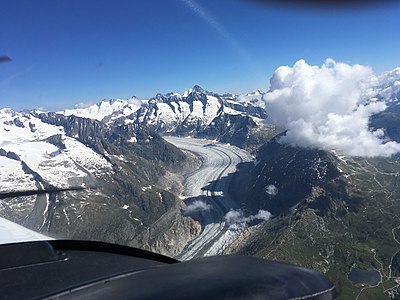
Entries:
{"x":121,"y":169}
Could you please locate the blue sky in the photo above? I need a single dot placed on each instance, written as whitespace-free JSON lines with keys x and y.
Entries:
{"x":66,"y":52}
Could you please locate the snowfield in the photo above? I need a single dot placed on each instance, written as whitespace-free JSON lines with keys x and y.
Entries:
{"x":10,"y":173}
{"x":28,"y":159}
{"x":112,"y":109}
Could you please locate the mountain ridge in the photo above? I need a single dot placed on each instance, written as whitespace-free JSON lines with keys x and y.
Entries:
{"x":197,"y":113}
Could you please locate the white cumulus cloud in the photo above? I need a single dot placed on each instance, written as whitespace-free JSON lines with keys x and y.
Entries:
{"x":271,"y":190}
{"x":197,"y":206}
{"x":237,"y":216}
{"x":325,"y":108}
{"x":234,"y":216}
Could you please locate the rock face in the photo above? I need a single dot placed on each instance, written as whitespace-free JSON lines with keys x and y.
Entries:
{"x":283,"y":176}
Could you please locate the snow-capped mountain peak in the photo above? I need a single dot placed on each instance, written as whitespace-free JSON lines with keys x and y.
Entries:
{"x":187,"y":92}
{"x":196,"y":89}
{"x":106,"y":109}
{"x":255,"y":93}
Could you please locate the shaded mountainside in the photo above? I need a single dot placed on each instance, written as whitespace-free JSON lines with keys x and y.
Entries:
{"x":331,"y":213}
{"x":238,"y":130}
{"x":283,"y":176}
{"x":390,"y":121}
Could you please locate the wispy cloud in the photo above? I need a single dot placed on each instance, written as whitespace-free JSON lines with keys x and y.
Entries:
{"x":272,"y":190}
{"x":16,"y":75}
{"x":237,"y":216}
{"x":211,"y":21}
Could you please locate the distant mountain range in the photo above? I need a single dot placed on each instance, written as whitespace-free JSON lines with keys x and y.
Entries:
{"x":236,"y":119}
{"x":166,"y":112}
